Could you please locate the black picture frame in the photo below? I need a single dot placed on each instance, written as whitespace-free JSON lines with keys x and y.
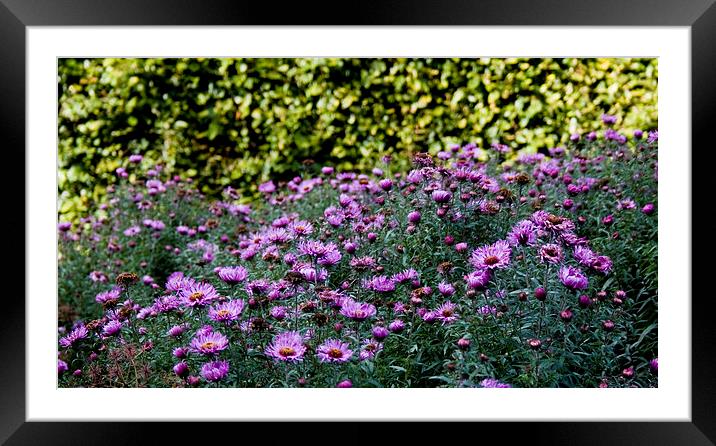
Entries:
{"x":16,"y":15}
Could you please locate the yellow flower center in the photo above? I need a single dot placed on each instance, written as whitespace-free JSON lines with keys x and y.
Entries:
{"x":491,"y":260}
{"x":335,"y":353}
{"x":286,"y":351}
{"x":193,"y":297}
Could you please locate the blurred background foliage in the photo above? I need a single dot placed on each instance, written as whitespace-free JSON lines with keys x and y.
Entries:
{"x":239,"y":122}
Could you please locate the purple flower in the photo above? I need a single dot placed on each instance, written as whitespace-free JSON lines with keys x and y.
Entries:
{"x":396,"y":326}
{"x":441,"y":196}
{"x":345,"y":384}
{"x":333,"y":350}
{"x":386,"y":184}
{"x":369,"y":350}
{"x":493,"y":384}
{"x":232,"y":274}
{"x":177,"y":282}
{"x":215,"y":370}
{"x":180,"y":352}
{"x":209,"y":343}
{"x":80,"y":332}
{"x":379,"y":284}
{"x":181,"y":368}
{"x":301,"y":227}
{"x":198,"y":294}
{"x":648,"y":209}
{"x":61,"y":366}
{"x":132,"y":231}
{"x":550,"y":253}
{"x":111,"y":328}
{"x":584,"y":255}
{"x":357,"y":311}
{"x":653,"y":136}
{"x":446,"y":289}
{"x":176,"y":330}
{"x":654,"y":365}
{"x":603,"y":264}
{"x":380,"y":333}
{"x":405,"y":276}
{"x":278,"y":312}
{"x":108,"y":297}
{"x":609,"y":119}
{"x":135,"y":159}
{"x":287,"y":346}
{"x":492,"y":256}
{"x":414,"y":217}
{"x":446,"y":313}
{"x":267,"y":187}
{"x":573,"y":278}
{"x":64,"y":226}
{"x":227,"y":312}
{"x":478,"y":279}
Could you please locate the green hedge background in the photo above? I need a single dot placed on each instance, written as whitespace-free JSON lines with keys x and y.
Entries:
{"x":241,"y":121}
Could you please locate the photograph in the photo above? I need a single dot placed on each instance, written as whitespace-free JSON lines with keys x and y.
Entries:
{"x":367,"y":222}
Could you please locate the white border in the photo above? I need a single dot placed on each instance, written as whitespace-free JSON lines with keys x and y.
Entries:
{"x":671,"y":401}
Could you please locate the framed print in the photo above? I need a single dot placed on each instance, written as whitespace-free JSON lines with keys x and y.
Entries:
{"x":417,"y":214}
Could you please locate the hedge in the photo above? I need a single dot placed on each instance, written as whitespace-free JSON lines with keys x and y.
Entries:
{"x":240,"y":121}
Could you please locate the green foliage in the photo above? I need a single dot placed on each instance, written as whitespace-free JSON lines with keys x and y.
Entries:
{"x":240,"y":121}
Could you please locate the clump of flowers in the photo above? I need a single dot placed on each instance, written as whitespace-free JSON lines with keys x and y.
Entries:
{"x":473,"y":267}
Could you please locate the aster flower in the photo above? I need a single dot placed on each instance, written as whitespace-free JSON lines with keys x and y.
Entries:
{"x":198,"y":294}
{"x":333,"y":350}
{"x":357,"y":311}
{"x":80,"y":332}
{"x":278,"y":312}
{"x":396,"y":326}
{"x":370,"y":349}
{"x":381,"y":284}
{"x":301,"y":227}
{"x":446,"y":313}
{"x":478,"y":279}
{"x":405,"y":276}
{"x":492,"y":256}
{"x":557,"y":223}
{"x":227,"y":312}
{"x":232,"y":274}
{"x":330,"y":258}
{"x":209,"y":343}
{"x":550,"y":253}
{"x":493,"y":384}
{"x":111,"y":328}
{"x":315,"y":248}
{"x":602,"y":264}
{"x":573,"y":278}
{"x":362,"y":262}
{"x":446,"y":289}
{"x":108,"y":297}
{"x":524,"y":233}
{"x":132,"y":231}
{"x":177,"y":282}
{"x":287,"y":346}
{"x":61,"y":366}
{"x":215,"y":370}
{"x":177,"y":330}
{"x":441,"y":196}
{"x":267,"y":187}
